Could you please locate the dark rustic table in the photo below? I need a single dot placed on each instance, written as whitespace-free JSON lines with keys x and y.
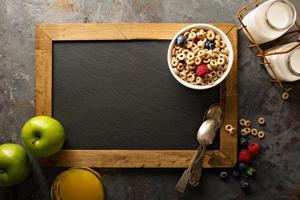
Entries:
{"x":277,"y":167}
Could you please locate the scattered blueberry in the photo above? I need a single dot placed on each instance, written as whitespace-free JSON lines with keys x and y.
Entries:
{"x":209,"y":45}
{"x":223,"y":175}
{"x":236,"y":174}
{"x":244,"y":184}
{"x":243,"y":142}
{"x":180,"y":40}
{"x":243,"y":166}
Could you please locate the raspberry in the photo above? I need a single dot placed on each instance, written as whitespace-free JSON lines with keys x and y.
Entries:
{"x":254,"y":149}
{"x":202,"y":70}
{"x":245,"y":156}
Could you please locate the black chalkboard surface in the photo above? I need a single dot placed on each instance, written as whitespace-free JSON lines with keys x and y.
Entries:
{"x":121,"y":95}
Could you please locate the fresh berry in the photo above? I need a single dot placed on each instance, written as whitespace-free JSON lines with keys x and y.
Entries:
{"x":202,"y":70}
{"x":209,"y":45}
{"x":243,"y":142}
{"x":243,"y":166}
{"x":244,"y":184}
{"x":236,"y":174}
{"x":245,"y":156}
{"x":223,"y":175}
{"x":254,"y":149}
{"x":180,"y":40}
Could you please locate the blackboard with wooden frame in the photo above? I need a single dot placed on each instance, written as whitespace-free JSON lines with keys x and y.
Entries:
{"x":47,"y":34}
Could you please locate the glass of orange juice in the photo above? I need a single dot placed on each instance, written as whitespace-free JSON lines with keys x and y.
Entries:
{"x":77,"y":184}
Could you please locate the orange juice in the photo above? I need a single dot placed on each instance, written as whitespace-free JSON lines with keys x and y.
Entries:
{"x":77,"y":184}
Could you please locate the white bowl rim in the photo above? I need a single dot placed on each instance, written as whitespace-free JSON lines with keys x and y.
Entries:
{"x":225,"y":39}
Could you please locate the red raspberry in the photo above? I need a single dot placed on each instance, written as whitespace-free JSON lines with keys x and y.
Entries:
{"x":202,"y":70}
{"x":245,"y":156}
{"x":254,"y":149}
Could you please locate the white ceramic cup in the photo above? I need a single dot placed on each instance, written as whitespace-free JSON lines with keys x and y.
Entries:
{"x":205,"y":27}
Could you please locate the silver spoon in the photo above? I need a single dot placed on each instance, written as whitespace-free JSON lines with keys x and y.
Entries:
{"x":205,"y":136}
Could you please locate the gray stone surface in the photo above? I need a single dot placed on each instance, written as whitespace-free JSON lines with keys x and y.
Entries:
{"x":277,"y":167}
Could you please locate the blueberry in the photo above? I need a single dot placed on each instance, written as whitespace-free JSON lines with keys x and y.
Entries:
{"x":223,"y":175}
{"x":244,"y":185}
{"x":243,"y":142}
{"x":243,"y":166}
{"x":209,"y":45}
{"x":236,"y":174}
{"x":180,"y":40}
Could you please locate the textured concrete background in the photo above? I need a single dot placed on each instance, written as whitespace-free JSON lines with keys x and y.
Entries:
{"x":278,"y":166}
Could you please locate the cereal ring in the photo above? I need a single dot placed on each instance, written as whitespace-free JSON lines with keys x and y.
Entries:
{"x":217,"y":43}
{"x":209,"y":67}
{"x":192,"y":36}
{"x":191,"y":77}
{"x":186,"y":69}
{"x":191,"y":67}
{"x":180,"y":67}
{"x":232,"y":131}
{"x":216,"y":50}
{"x":206,"y":61}
{"x":261,"y":134}
{"x":176,"y":71}
{"x":206,"y":56}
{"x":180,"y":49}
{"x":220,"y":73}
{"x":213,"y":63}
{"x":242,"y":122}
{"x":198,"y":80}
{"x":196,"y":50}
{"x":201,"y":53}
{"x":213,"y":74}
{"x":175,"y":62}
{"x":194,"y":30}
{"x":247,"y":123}
{"x":204,"y":40}
{"x":244,"y":132}
{"x":215,"y":78}
{"x":185,"y":51}
{"x":208,"y":76}
{"x":285,"y":96}
{"x":210,"y":35}
{"x":228,"y":127}
{"x":180,"y":56}
{"x":225,"y":51}
{"x":248,"y":130}
{"x":190,"y":56}
{"x":261,"y":120}
{"x":182,"y":75}
{"x":221,"y":61}
{"x":210,"y":82}
{"x":224,"y":67}
{"x":217,"y":37}
{"x":186,"y":34}
{"x":198,"y":60}
{"x":190,"y":62}
{"x":173,"y":52}
{"x":201,"y":34}
{"x":222,"y":44}
{"x":177,"y":47}
{"x":254,"y":132}
{"x":189,"y":45}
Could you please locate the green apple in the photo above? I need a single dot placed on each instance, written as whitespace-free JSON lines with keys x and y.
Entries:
{"x":43,"y":136}
{"x":14,"y":164}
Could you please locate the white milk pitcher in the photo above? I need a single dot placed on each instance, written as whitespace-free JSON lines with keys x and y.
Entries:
{"x":286,"y":66}
{"x":270,"y":20}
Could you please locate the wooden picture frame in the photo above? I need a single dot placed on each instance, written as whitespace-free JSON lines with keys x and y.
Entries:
{"x":46,"y":34}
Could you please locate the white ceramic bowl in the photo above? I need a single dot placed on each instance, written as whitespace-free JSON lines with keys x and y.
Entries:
{"x":224,"y":38}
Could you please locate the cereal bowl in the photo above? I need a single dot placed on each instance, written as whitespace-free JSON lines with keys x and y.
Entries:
{"x":200,"y":56}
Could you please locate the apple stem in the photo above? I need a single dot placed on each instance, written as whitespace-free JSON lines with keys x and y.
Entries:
{"x":34,"y":141}
{"x":2,"y":170}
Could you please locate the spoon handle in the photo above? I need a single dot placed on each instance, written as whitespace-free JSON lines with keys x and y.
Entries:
{"x":197,"y":169}
{"x":185,"y":177}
